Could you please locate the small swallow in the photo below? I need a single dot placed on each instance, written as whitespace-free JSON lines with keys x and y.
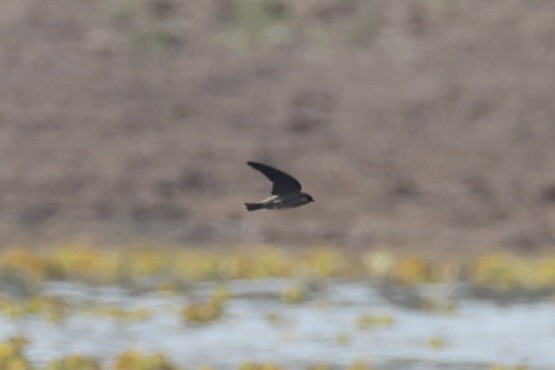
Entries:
{"x":286,"y":190}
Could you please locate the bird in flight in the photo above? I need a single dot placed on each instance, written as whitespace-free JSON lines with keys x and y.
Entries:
{"x":286,"y":190}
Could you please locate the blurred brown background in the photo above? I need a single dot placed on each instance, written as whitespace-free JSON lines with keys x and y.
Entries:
{"x":424,"y":123}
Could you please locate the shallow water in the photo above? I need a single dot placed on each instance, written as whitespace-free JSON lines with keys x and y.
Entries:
{"x":321,"y":330}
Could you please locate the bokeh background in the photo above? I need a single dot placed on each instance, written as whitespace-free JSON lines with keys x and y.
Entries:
{"x":424,"y":129}
{"x":425,"y":124}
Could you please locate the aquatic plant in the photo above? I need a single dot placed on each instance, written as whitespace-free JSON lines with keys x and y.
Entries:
{"x":510,"y":273}
{"x":365,"y":322}
{"x":135,"y":360}
{"x":294,"y":293}
{"x":11,"y":354}
{"x":53,"y":309}
{"x":342,"y":339}
{"x":74,"y":362}
{"x":413,"y":270}
{"x":119,"y":313}
{"x":496,"y":271}
{"x":437,"y":342}
{"x":172,"y":270}
{"x":503,"y":367}
{"x":80,"y":262}
{"x":203,"y":312}
{"x":360,"y":365}
{"x":324,"y":262}
{"x":378,"y":263}
{"x":259,"y":366}
{"x":321,"y":366}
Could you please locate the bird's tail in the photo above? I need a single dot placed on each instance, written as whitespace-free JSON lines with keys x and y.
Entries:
{"x":254,"y":206}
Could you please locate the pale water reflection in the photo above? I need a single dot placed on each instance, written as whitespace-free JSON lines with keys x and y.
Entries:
{"x":321,"y":330}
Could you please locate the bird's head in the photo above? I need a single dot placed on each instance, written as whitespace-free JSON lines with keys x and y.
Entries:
{"x":309,"y":198}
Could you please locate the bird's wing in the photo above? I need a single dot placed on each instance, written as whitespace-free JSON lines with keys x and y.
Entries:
{"x":282,"y":182}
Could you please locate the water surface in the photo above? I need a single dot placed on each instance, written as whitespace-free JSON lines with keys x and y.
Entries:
{"x":259,"y":326}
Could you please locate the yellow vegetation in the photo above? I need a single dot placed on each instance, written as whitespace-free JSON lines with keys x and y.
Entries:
{"x":135,"y":360}
{"x":11,"y":354}
{"x":437,"y":343}
{"x":259,"y":366}
{"x":295,"y":293}
{"x":174,"y":268}
{"x":203,"y":312}
{"x":74,"y":362}
{"x":360,"y":365}
{"x":365,"y":322}
{"x":505,"y":272}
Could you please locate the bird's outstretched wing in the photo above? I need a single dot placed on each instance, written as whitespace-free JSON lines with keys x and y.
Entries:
{"x":282,"y":182}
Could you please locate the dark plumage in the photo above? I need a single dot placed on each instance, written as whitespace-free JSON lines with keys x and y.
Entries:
{"x":286,"y":190}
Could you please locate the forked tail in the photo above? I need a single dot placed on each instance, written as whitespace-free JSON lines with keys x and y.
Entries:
{"x":254,"y":206}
